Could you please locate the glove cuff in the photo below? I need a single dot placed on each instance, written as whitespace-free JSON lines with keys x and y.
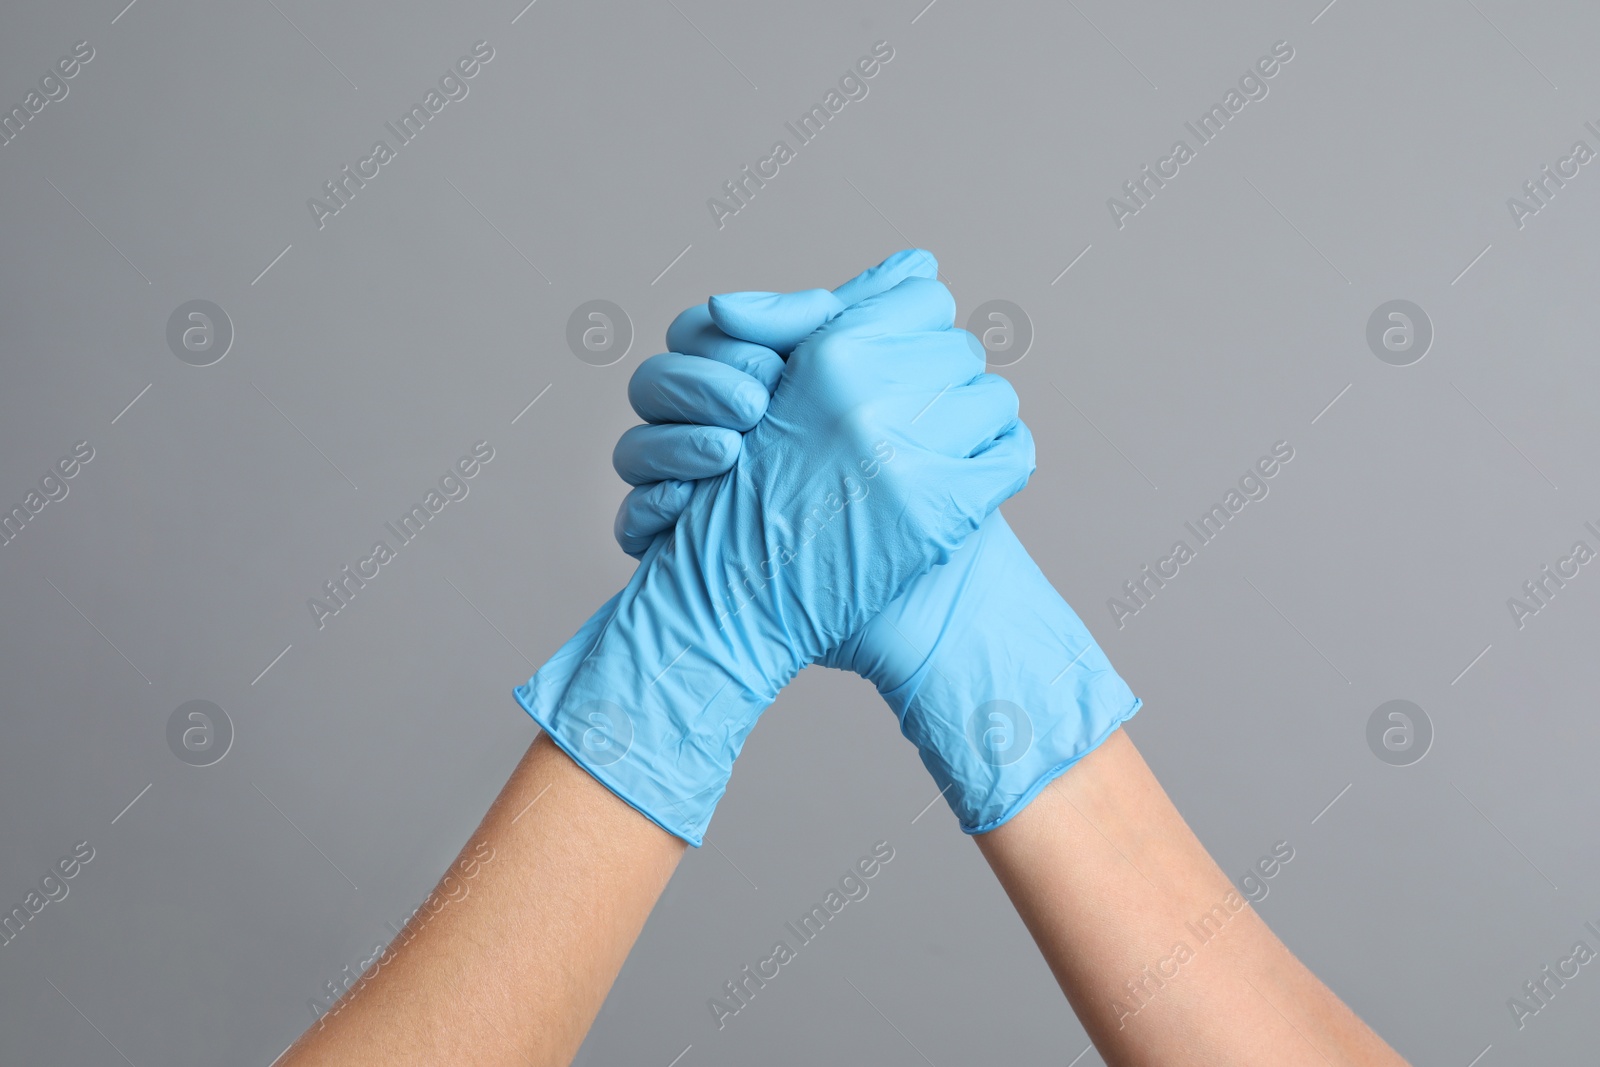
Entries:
{"x":662,"y":750}
{"x":645,"y":698}
{"x":994,"y":745}
{"x":1014,"y":692}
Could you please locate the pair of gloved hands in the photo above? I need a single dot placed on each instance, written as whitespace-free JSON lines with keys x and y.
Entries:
{"x":817,"y":481}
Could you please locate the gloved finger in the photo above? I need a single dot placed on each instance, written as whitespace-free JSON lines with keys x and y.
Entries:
{"x":979,"y":484}
{"x":914,"y":306}
{"x":651,"y":453}
{"x":695,"y":334}
{"x":673,"y":387}
{"x":1004,"y":465}
{"x":923,"y":365}
{"x":647,"y":511}
{"x":777,"y":320}
{"x":782,"y":320}
{"x":966,"y":419}
{"x":910,"y":263}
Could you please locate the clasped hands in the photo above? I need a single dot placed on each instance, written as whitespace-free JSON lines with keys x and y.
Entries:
{"x":818,"y":481}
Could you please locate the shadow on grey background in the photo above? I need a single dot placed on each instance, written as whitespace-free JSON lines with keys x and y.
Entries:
{"x":241,"y":861}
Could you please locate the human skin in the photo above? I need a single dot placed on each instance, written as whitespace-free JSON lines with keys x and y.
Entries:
{"x":1108,"y":878}
{"x":512,"y":970}
{"x":1100,"y":866}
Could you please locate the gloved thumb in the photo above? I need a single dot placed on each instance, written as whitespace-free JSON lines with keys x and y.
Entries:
{"x":780,"y":321}
{"x":911,"y":263}
{"x":777,"y":320}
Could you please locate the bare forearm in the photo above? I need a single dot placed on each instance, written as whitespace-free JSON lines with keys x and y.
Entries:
{"x":1113,"y":885}
{"x":513,"y":954}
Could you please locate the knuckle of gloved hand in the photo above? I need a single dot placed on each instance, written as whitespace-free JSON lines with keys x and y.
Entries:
{"x":716,"y":445}
{"x":829,"y":354}
{"x":933,"y":294}
{"x":1006,"y":399}
{"x":749,"y":402}
{"x":860,"y":425}
{"x":1023,"y":450}
{"x":643,"y":505}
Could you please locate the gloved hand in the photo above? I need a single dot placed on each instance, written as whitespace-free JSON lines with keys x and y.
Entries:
{"x":991,"y":673}
{"x":837,"y":499}
{"x":694,"y":412}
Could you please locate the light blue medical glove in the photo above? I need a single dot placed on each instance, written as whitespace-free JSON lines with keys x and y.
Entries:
{"x":991,"y":673}
{"x":692,"y":410}
{"x":840,"y":497}
{"x":993,"y":676}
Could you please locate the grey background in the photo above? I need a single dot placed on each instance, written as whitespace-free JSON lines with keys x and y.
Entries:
{"x":1224,"y":317}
